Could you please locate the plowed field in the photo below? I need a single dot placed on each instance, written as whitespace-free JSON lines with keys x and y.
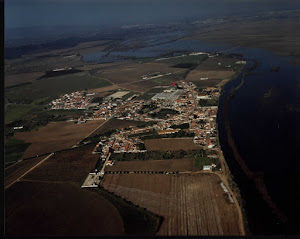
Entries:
{"x":69,"y":166}
{"x":191,"y":204}
{"x":55,"y":136}
{"x":34,"y":208}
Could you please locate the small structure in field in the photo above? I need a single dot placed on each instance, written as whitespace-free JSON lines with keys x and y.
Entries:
{"x":207,"y":167}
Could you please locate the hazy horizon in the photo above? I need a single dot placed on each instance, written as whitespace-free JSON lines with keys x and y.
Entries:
{"x":114,"y":13}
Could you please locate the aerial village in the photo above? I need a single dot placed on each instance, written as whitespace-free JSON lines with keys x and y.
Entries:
{"x":180,"y":103}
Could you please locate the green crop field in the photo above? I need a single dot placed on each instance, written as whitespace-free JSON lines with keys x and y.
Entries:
{"x":16,"y":112}
{"x":53,"y":87}
{"x":14,"y":149}
{"x":201,"y":161}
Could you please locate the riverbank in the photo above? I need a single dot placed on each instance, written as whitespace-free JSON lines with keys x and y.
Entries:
{"x":227,"y":177}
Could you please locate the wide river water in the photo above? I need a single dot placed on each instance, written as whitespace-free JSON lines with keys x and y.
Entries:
{"x":265,"y":130}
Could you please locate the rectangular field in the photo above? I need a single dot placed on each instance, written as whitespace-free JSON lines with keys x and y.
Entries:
{"x":55,"y":136}
{"x":191,"y":204}
{"x":169,"y":144}
{"x":69,"y":166}
{"x":170,"y":165}
{"x":35,"y":208}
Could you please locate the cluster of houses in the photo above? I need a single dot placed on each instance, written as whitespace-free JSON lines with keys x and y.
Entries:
{"x":201,"y":120}
{"x":77,"y":100}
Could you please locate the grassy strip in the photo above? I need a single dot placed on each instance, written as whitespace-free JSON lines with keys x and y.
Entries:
{"x":158,"y":155}
{"x":137,"y":221}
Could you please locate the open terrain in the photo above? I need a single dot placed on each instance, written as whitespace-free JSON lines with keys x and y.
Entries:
{"x":69,"y":166}
{"x":15,"y":171}
{"x":192,"y":204}
{"x":55,"y":136}
{"x":169,"y":144}
{"x":170,"y":165}
{"x":271,"y":31}
{"x":11,"y":80}
{"x":54,"y":87}
{"x":114,"y":124}
{"x":40,"y":208}
{"x":129,"y":72}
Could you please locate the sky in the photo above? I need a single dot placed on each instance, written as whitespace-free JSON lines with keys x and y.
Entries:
{"x":30,"y":13}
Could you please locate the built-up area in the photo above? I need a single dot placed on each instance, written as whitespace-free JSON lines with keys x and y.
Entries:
{"x":167,"y":111}
{"x":174,"y":108}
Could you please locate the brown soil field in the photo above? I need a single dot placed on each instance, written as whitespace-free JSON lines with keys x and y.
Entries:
{"x":104,"y":89}
{"x":115,"y":124}
{"x":34,"y":208}
{"x":70,"y":166}
{"x":171,"y":165}
{"x":21,"y":78}
{"x":129,"y":72}
{"x":167,"y":144}
{"x":196,"y":74}
{"x":140,"y":86}
{"x":55,"y":136}
{"x":15,"y":171}
{"x":191,"y":204}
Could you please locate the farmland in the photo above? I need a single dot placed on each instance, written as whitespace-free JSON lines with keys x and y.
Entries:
{"x":130,"y":72}
{"x":55,"y":136}
{"x":16,"y":170}
{"x":192,"y":204}
{"x":69,"y":166}
{"x":169,"y":144}
{"x":14,"y":149}
{"x":39,"y":208}
{"x":53,"y":87}
{"x":16,"y":112}
{"x":16,"y":79}
{"x":170,"y":165}
{"x":114,"y":124}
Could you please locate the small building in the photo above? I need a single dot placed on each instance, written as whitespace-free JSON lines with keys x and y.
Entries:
{"x":207,"y":167}
{"x":20,"y":127}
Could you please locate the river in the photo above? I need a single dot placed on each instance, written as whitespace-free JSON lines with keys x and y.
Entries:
{"x":265,"y":131}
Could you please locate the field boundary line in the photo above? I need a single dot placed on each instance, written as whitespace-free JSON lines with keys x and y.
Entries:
{"x":91,"y":132}
{"x":28,"y":171}
{"x":44,"y":181}
{"x":241,"y":221}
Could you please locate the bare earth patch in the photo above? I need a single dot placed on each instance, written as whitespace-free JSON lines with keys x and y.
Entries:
{"x":56,"y":136}
{"x":69,"y":166}
{"x":34,"y":208}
